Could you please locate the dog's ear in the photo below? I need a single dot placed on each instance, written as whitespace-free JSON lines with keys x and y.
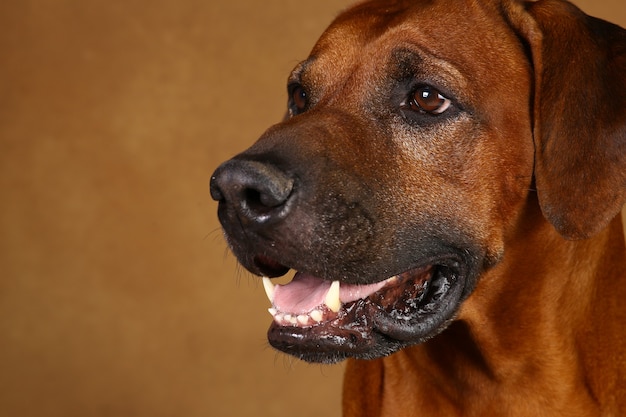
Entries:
{"x":579,"y":114}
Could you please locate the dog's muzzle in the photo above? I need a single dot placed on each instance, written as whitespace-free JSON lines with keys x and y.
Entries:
{"x":352,"y":295}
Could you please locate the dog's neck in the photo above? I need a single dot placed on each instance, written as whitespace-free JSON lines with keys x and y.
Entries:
{"x":571,"y":290}
{"x":562,"y":324}
{"x":559,"y":334}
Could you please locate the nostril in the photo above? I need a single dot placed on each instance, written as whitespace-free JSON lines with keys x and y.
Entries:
{"x":269,"y":194}
{"x":258,"y":202}
{"x":254,"y":189}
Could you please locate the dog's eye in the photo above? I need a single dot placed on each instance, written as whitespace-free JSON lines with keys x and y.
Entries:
{"x":427,"y":99}
{"x":299,"y":99}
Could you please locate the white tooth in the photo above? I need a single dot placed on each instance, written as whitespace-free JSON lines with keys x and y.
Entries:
{"x":332,"y":297}
{"x":269,"y":288}
{"x":316,"y":315}
{"x":290,"y":319}
{"x":303,"y":319}
{"x":279,"y":318}
{"x":272,"y":311}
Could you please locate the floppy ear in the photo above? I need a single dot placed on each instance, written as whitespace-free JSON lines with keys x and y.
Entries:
{"x":579,"y":115}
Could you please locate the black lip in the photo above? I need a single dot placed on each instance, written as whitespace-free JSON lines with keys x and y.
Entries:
{"x":365,"y":329}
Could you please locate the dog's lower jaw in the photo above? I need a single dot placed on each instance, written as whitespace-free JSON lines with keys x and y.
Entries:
{"x":381,"y":323}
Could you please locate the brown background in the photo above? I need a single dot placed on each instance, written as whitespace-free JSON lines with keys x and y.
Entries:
{"x":117,"y":294}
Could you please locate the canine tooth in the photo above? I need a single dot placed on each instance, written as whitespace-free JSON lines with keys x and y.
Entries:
{"x":269,"y":288}
{"x":332,"y":297}
{"x":316,"y":315}
{"x":272,"y":311}
{"x":303,"y":319}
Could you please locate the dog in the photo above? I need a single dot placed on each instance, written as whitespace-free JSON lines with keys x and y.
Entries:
{"x":447,"y":185}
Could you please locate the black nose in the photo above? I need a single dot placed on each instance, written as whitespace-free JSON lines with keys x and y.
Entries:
{"x":255,"y":191}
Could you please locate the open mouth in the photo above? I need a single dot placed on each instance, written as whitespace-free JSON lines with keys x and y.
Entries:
{"x":322,"y":321}
{"x":310,"y":301}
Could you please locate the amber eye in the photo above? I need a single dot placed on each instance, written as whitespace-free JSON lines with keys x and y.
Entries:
{"x":299,"y":98}
{"x":429,"y":100}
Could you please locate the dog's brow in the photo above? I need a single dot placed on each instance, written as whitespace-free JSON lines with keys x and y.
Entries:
{"x":403,"y":63}
{"x":296,"y":74}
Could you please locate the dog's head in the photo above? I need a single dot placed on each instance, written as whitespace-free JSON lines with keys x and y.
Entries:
{"x":416,"y":135}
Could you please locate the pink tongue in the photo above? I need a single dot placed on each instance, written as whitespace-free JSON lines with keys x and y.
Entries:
{"x":305,"y":293}
{"x":301,"y":295}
